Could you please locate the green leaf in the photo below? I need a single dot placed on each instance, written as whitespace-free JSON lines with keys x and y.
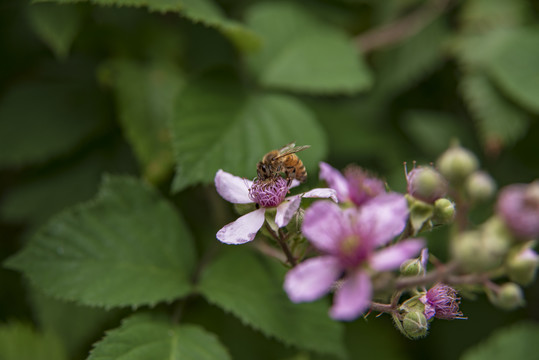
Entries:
{"x":475,"y":50}
{"x":76,"y":326}
{"x":21,"y":342}
{"x":142,"y":337}
{"x":515,"y":342}
{"x":127,"y":247}
{"x":251,"y":289}
{"x":144,"y":97}
{"x":39,"y":196}
{"x":219,"y":125}
{"x":481,"y":15}
{"x":433,"y":131}
{"x":514,"y":67}
{"x":303,"y":54}
{"x":203,"y":11}
{"x":208,"y":13}
{"x":39,"y":120}
{"x":407,"y":63}
{"x":499,"y":121}
{"x":56,"y":25}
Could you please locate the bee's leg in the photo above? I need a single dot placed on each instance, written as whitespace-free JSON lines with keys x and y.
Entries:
{"x":290,"y":174}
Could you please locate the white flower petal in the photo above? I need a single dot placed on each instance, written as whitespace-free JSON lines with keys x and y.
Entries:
{"x":242,"y":230}
{"x":233,"y":188}
{"x":295,"y":183}
{"x":286,"y":210}
{"x":323,"y":193}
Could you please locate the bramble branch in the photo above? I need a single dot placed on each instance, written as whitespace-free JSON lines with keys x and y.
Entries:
{"x":402,"y":28}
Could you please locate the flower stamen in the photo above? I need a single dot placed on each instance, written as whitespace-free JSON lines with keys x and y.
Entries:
{"x":269,"y":193}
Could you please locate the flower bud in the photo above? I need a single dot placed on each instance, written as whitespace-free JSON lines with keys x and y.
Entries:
{"x":444,"y":211}
{"x":415,"y":267}
{"x":518,"y":206}
{"x":426,"y":184}
{"x":415,"y":324}
{"x":464,"y":249}
{"x":412,"y":267}
{"x":480,"y":186}
{"x":521,"y":264}
{"x":508,"y":296}
{"x":457,"y":163}
{"x":481,"y":250}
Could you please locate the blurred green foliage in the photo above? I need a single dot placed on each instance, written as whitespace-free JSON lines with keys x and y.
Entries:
{"x":170,"y":91}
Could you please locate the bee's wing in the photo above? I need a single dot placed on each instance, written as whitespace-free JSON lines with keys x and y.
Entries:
{"x":287,"y":147}
{"x":291,"y":149}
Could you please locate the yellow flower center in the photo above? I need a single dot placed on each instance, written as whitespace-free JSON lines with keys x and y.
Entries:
{"x":349,"y":245}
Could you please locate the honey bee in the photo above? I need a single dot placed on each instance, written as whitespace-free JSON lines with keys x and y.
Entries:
{"x":284,"y":161}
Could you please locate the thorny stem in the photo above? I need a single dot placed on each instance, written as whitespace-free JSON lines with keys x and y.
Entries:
{"x":269,"y":250}
{"x":281,"y":240}
{"x":382,"y":308}
{"x":407,"y":232}
{"x":444,"y":274}
{"x":402,"y":28}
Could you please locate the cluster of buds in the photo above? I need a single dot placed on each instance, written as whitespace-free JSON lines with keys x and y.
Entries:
{"x":353,"y":239}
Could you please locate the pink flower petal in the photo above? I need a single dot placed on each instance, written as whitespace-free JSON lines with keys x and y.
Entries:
{"x":424,"y":258}
{"x":322,"y":193}
{"x":383,"y":217}
{"x":324,"y":224}
{"x":286,"y":210}
{"x":233,"y":188}
{"x":353,"y":297}
{"x":393,"y":256}
{"x":335,"y":180}
{"x":312,"y":278}
{"x":242,"y":230}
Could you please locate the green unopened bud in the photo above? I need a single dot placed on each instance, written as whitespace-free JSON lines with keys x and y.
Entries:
{"x":415,"y":324}
{"x":508,"y":296}
{"x":521,"y":264}
{"x":481,"y":250}
{"x":480,"y":186}
{"x":456,"y":164}
{"x":444,"y":211}
{"x":465,"y":248}
{"x":412,"y":267}
{"x":426,"y":184}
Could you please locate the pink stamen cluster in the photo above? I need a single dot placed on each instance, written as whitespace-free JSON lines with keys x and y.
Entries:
{"x":269,"y":193}
{"x":442,"y":302}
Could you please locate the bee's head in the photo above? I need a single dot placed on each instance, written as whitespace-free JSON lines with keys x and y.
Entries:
{"x":263,"y":170}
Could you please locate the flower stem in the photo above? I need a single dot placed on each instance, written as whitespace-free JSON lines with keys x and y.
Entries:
{"x":382,"y":308}
{"x":444,"y":274}
{"x":281,"y":240}
{"x":402,"y":28}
